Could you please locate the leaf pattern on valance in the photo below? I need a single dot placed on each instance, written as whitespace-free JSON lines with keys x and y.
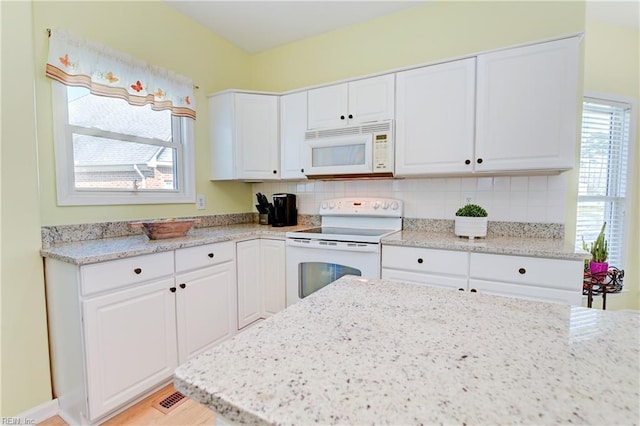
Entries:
{"x":74,"y":61}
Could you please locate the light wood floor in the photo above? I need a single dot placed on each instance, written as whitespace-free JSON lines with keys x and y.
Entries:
{"x":143,"y":413}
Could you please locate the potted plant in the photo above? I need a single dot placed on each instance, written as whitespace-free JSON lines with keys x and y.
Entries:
{"x":599,"y":250}
{"x":471,"y":221}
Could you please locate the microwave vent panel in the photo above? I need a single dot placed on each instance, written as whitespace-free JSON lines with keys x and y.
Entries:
{"x":348,"y":131}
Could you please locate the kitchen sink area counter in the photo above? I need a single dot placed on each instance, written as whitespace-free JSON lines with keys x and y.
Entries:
{"x":363,"y":351}
{"x":554,"y":248}
{"x":100,"y":250}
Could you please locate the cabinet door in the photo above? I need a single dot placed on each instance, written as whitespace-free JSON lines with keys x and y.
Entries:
{"x":249,"y":278}
{"x":130,"y":338}
{"x":327,"y":107}
{"x":256,"y":128}
{"x":206,"y":309}
{"x":371,"y":99}
{"x":293,"y":125}
{"x":435,"y":119}
{"x":527,"y":107}
{"x":273,"y":276}
{"x":222,"y":156}
{"x":529,"y":292}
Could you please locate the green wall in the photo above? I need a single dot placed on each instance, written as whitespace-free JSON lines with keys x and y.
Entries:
{"x":425,"y":33}
{"x":25,"y":379}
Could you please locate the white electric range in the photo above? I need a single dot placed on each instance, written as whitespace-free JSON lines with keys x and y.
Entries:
{"x":347,"y":243}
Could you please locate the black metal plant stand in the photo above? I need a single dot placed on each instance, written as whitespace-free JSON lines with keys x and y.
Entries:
{"x":602,"y":283}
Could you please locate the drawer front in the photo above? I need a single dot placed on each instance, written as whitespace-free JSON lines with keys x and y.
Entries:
{"x":457,"y":283}
{"x":551,"y":273}
{"x":425,"y":260}
{"x":203,"y":256}
{"x":114,"y":274}
{"x":529,"y":292}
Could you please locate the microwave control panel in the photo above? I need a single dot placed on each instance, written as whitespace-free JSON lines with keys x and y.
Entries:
{"x":382,"y":152}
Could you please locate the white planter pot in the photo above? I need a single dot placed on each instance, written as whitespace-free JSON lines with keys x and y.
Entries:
{"x":471,"y":227}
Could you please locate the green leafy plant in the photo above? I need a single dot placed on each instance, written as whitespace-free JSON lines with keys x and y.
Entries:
{"x":599,"y":248}
{"x":472,"y":210}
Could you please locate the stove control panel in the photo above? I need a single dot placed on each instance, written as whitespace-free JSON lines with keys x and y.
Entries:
{"x":365,"y":206}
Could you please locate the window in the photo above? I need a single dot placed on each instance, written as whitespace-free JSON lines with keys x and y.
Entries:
{"x":604,"y":164}
{"x":123,"y":129}
{"x":111,"y":152}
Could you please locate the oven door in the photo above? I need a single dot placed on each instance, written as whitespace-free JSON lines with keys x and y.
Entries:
{"x":312,"y":264}
{"x":339,"y":155}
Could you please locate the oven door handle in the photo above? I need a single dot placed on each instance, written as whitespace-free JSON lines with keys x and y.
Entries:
{"x":333,"y":245}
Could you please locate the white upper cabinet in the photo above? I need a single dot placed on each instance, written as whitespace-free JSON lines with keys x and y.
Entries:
{"x":356,"y":102}
{"x":293,"y":125}
{"x":515,"y":110}
{"x":244,"y":136}
{"x":435,"y":119}
{"x":527,"y":107}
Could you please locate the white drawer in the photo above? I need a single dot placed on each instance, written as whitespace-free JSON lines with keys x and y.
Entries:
{"x":529,"y":292}
{"x":425,"y":260}
{"x":114,"y":274}
{"x":551,"y":273}
{"x":203,"y":256}
{"x":425,"y":279}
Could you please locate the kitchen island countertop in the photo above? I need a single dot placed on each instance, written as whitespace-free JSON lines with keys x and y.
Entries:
{"x":376,"y":351}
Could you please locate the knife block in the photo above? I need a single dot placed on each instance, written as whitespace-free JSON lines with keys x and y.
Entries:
{"x":264,"y":219}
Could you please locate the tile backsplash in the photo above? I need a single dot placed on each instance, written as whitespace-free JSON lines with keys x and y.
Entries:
{"x":538,"y":199}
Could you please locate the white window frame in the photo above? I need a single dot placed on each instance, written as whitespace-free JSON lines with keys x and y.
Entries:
{"x":69,"y":195}
{"x":629,"y":196}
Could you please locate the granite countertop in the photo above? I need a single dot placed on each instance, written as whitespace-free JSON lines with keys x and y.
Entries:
{"x":103,"y":249}
{"x":100,"y":250}
{"x":520,"y":246}
{"x":374,"y":351}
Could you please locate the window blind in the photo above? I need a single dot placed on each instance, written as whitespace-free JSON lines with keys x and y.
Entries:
{"x":603,"y":174}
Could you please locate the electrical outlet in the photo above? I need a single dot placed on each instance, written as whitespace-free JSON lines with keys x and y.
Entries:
{"x":200,"y":205}
{"x":468,"y":199}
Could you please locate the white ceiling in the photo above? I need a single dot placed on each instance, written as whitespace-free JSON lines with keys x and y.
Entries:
{"x":256,"y":26}
{"x":625,"y":12}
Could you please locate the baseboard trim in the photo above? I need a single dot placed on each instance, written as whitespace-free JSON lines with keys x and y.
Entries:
{"x":40,"y":413}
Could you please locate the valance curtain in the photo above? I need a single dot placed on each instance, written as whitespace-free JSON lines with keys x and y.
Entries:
{"x":74,"y":61}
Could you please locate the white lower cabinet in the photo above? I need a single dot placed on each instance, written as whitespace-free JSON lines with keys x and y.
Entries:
{"x":130,"y":338}
{"x":118,"y":329}
{"x":438,"y":268}
{"x":273,"y":276}
{"x":205,"y":298}
{"x":533,"y":278}
{"x":547,"y":280}
{"x":261,"y":280}
{"x":249,"y":282}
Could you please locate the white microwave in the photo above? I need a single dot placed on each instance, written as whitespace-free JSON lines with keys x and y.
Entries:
{"x":355,"y":151}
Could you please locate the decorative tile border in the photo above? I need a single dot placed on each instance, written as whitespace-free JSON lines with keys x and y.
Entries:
{"x":496,"y":229}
